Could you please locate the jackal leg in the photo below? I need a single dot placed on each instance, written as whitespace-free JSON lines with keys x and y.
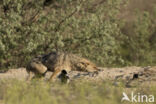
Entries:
{"x":54,"y":75}
{"x":30,"y":76}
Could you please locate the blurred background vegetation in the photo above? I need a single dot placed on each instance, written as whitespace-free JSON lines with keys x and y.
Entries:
{"x":108,"y":32}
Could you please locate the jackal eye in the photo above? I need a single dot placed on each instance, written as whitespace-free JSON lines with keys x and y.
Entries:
{"x":87,"y":63}
{"x":83,"y":63}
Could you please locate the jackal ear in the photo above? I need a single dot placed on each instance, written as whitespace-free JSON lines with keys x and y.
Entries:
{"x":96,"y":68}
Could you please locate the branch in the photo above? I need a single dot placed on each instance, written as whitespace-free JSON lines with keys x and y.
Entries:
{"x":62,"y":21}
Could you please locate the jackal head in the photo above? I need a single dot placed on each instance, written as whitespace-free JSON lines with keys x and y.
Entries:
{"x":88,"y":66}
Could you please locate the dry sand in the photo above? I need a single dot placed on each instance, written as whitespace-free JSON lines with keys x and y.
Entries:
{"x":127,"y":74}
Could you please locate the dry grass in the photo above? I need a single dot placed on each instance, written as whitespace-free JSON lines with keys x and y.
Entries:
{"x":76,"y":92}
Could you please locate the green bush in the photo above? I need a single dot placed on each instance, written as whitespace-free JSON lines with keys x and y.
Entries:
{"x":89,"y":28}
{"x":139,"y":46}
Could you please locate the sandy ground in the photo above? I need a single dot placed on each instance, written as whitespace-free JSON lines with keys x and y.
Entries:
{"x":127,"y":74}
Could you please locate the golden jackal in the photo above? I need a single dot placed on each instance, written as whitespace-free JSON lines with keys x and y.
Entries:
{"x":56,"y":62}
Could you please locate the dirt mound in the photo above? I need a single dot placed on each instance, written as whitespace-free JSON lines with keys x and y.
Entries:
{"x":19,"y":73}
{"x":127,"y":74}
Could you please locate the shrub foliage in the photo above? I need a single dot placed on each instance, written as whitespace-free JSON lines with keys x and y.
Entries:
{"x":90,"y":28}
